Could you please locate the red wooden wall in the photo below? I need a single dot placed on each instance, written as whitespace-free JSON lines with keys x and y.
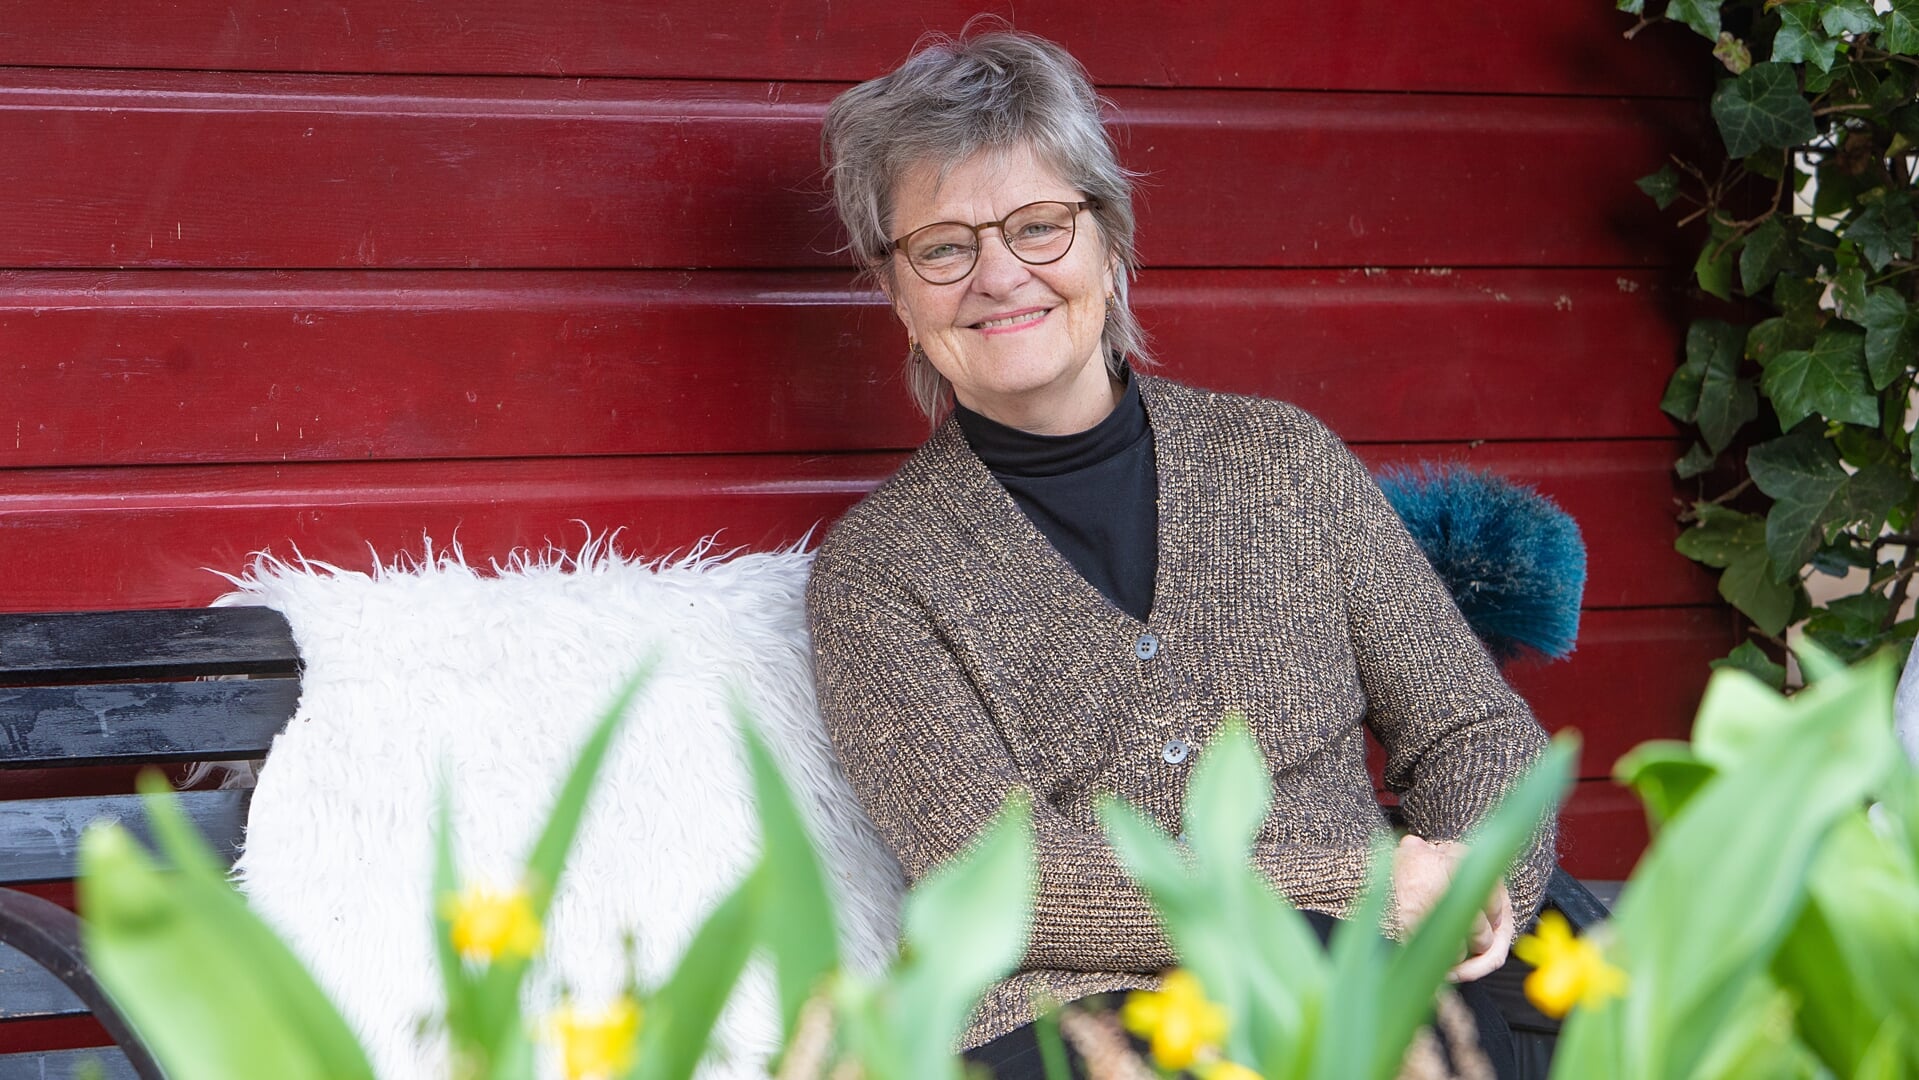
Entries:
{"x":340,"y":274}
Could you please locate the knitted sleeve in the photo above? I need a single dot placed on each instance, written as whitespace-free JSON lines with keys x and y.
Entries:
{"x":930,"y":769}
{"x":1456,"y":735}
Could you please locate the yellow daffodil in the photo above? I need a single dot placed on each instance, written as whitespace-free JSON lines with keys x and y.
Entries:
{"x":597,"y":1045}
{"x":1568,"y":970}
{"x":1227,"y":1070}
{"x":490,"y":923}
{"x":1177,"y":1020}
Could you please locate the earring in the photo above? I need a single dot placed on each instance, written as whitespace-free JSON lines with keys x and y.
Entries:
{"x":913,"y":351}
{"x":1109,"y":307}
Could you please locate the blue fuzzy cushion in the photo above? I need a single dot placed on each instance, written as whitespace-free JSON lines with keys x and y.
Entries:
{"x":1512,"y":559}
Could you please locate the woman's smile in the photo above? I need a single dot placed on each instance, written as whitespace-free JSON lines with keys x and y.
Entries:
{"x":1014,"y":321}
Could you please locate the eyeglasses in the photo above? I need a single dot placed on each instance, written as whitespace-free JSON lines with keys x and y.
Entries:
{"x":1037,"y":233}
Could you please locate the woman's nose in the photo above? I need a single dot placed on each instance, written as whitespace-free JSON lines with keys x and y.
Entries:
{"x":999,"y":270}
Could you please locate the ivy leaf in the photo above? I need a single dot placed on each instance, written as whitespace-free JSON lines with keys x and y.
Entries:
{"x":1869,"y":494}
{"x":1701,"y":15}
{"x":1726,"y":401}
{"x":1801,"y":472}
{"x":1849,"y":292}
{"x":1840,"y":559}
{"x":1732,"y":52}
{"x":1775,"y":336}
{"x":1762,"y":108}
{"x":1848,"y":17}
{"x":1767,"y":251}
{"x":1884,"y":229}
{"x":1714,"y":274}
{"x":1697,"y":460}
{"x":1736,"y":542}
{"x":1892,"y":336}
{"x":1662,"y":186}
{"x":1632,"y":7}
{"x":1800,"y":38}
{"x":1902,"y":28}
{"x":1681,"y":401}
{"x":1849,"y":627}
{"x":1828,"y":379}
{"x":1748,"y":658}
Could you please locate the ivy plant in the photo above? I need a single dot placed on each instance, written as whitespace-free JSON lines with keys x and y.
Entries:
{"x":1802,"y":411}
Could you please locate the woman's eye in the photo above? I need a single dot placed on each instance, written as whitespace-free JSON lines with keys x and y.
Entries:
{"x":941,"y":251}
{"x":1038,"y":230}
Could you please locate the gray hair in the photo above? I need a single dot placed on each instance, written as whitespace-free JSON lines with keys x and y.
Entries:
{"x":952,"y":99}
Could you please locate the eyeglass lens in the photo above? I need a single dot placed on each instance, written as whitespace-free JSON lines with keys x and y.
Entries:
{"x":1037,"y":233}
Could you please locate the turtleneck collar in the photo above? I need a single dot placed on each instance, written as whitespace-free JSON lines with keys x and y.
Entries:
{"x":1008,"y":451}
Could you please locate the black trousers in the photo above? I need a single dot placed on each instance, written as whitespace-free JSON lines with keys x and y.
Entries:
{"x":1016,"y":1056}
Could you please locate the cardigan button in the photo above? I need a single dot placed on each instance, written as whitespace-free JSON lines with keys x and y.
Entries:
{"x":1175,"y":751}
{"x":1147,"y":646}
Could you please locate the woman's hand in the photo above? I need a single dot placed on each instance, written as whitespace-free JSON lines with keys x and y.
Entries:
{"x":1421,"y":872}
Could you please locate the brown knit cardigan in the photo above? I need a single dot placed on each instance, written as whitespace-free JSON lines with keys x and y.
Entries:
{"x":959,"y":657}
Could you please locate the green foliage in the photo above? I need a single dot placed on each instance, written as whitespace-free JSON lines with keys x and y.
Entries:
{"x":209,"y":986}
{"x":1765,"y":930}
{"x":1302,"y":1012}
{"x":1814,"y":224}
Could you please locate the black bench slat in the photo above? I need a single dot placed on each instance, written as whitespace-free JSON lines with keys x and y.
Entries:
{"x":66,"y":1065}
{"x":145,"y":644}
{"x":31,"y":991}
{"x":158,"y":722}
{"x":39,"y":838}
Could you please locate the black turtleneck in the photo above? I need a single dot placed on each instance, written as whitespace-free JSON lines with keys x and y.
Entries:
{"x":1094,"y":494}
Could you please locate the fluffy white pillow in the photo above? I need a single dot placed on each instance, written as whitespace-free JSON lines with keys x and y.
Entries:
{"x":492,"y":679}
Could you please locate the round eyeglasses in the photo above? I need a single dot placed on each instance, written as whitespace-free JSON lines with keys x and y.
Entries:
{"x":1037,"y":233}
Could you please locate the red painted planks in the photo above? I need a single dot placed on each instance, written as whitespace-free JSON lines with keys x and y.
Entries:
{"x":209,"y":367}
{"x":227,"y":170}
{"x":1637,"y":674}
{"x":1555,"y":48}
{"x":137,"y":537}
{"x":1602,"y":831}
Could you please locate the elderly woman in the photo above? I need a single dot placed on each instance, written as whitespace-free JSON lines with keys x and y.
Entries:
{"x":1085,"y":568}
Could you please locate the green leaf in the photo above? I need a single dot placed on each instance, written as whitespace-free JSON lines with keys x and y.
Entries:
{"x":1777,"y":335}
{"x":1768,"y":250}
{"x":1726,"y":402}
{"x":1701,"y":15}
{"x":1681,"y":400}
{"x":1802,"y":473}
{"x":207,"y":986}
{"x":1752,"y":832}
{"x":1665,"y":774}
{"x":1848,"y":17}
{"x":1662,"y":186}
{"x":1849,"y":627}
{"x":1801,"y":38}
{"x":1849,"y":292}
{"x":1415,"y":970}
{"x":1698,"y":460}
{"x":965,"y":928}
{"x":1631,"y":7}
{"x":1892,"y":336}
{"x":1762,"y":108}
{"x":1735,"y":54}
{"x":1736,"y":542}
{"x":1884,"y":229}
{"x":1902,"y":28}
{"x":1753,"y":660}
{"x":1713,"y":269}
{"x":1871,"y":492}
{"x":680,"y":1018}
{"x":1829,"y":379}
{"x":796,"y":912}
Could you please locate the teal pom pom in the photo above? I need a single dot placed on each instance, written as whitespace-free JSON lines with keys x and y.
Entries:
{"x":1512,"y":559}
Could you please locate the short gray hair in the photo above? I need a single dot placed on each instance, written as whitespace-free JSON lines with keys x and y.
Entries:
{"x":952,"y":99}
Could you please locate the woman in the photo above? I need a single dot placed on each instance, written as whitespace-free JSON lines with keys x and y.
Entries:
{"x":1085,"y":568}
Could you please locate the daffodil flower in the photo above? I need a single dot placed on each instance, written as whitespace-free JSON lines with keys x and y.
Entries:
{"x":596,"y":1045}
{"x":490,"y":923}
{"x":1177,"y":1021}
{"x":1568,"y":970}
{"x":1227,"y":1070}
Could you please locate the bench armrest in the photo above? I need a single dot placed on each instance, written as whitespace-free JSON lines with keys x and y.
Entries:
{"x":49,"y":935}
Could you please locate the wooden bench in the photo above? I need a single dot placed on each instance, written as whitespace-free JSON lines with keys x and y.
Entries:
{"x":134,"y":688}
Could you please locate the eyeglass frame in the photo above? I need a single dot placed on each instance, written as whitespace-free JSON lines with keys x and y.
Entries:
{"x":899,"y":245}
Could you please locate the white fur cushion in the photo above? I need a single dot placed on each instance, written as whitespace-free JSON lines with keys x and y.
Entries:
{"x":497,"y":677}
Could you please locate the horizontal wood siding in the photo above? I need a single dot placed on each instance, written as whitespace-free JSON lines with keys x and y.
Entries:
{"x":341,"y":277}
